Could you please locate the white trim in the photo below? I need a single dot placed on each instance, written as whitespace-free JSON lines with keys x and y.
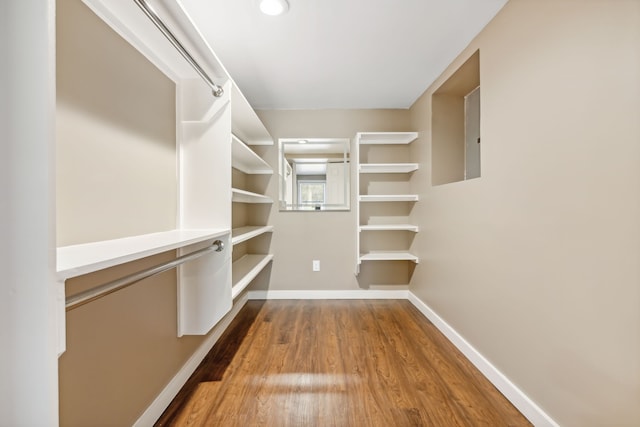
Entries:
{"x":525,"y":405}
{"x":163,"y":400}
{"x":336,"y":294}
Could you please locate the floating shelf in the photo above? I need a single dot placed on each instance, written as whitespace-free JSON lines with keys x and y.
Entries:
{"x":242,"y":196}
{"x":389,"y":227}
{"x":383,"y":138}
{"x":77,"y":260}
{"x":241,"y":234}
{"x":388,"y":167}
{"x":389,"y":256}
{"x":246,"y":160}
{"x":389,"y":198}
{"x":244,"y":270}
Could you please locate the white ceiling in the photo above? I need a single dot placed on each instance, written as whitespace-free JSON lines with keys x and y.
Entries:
{"x":339,"y":53}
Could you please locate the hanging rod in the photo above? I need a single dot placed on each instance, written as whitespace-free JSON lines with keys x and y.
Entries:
{"x":151,"y":14}
{"x":92,"y":294}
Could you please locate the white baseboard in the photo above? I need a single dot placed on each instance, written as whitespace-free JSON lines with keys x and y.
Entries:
{"x":157,"y":407}
{"x":336,"y":294}
{"x":526,"y":406}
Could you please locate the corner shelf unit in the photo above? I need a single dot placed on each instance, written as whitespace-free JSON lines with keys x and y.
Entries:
{"x":373,"y":187}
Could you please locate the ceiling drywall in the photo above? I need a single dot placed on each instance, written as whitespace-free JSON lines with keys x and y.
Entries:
{"x":339,"y":53}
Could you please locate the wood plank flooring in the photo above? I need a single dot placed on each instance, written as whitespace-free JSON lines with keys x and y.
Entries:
{"x":337,"y":363}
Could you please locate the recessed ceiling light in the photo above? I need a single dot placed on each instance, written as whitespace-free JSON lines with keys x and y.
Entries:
{"x":274,"y":7}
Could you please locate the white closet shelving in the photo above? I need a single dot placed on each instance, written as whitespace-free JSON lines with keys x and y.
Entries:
{"x":388,"y":167}
{"x":242,"y":234}
{"x":76,"y":260}
{"x":381,"y":187}
{"x":246,"y":125}
{"x":388,"y":256}
{"x":242,"y":196}
{"x":206,"y":150}
{"x":386,"y":138}
{"x":246,"y":160}
{"x":246,"y":269}
{"x":388,"y":198}
{"x":248,"y":261}
{"x":389,"y":227}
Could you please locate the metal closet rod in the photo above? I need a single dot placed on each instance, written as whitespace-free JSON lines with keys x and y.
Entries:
{"x":92,"y":294}
{"x":151,"y":14}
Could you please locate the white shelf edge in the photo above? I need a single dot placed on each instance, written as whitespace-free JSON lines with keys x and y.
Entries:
{"x":242,"y":196}
{"x":388,"y":167}
{"x":389,"y":227}
{"x":389,"y":256}
{"x":244,"y":270}
{"x":246,"y":160}
{"x":241,"y":234}
{"x":386,"y":138}
{"x":389,"y":198}
{"x":76,"y":260}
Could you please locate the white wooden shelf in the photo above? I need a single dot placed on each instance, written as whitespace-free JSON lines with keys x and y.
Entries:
{"x":245,"y":123}
{"x":388,"y":167}
{"x":241,"y":234}
{"x":242,"y":196}
{"x":244,"y":270}
{"x":384,"y":138}
{"x":389,"y":227}
{"x":246,"y":160}
{"x":389,"y":198}
{"x":389,"y":256}
{"x":77,"y":260}
{"x":400,"y":140}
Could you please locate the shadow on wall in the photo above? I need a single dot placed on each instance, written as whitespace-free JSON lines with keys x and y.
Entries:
{"x":385,"y":273}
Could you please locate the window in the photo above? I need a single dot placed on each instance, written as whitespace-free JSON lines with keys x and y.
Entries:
{"x":311,"y":192}
{"x":455,"y":125}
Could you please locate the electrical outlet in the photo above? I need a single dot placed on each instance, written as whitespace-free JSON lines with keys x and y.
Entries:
{"x":316,"y":265}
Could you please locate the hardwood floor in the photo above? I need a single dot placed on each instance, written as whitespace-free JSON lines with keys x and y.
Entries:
{"x":337,"y":363}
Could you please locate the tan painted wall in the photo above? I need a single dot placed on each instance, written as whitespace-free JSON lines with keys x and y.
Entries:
{"x":122,"y":349}
{"x":448,"y":136}
{"x":115,"y":134}
{"x":537,"y":263}
{"x":300,"y":237}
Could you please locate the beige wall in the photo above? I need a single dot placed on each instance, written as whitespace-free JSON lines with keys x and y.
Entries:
{"x":115,"y":134}
{"x":122,"y":349}
{"x":536,"y":263}
{"x":300,"y":237}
